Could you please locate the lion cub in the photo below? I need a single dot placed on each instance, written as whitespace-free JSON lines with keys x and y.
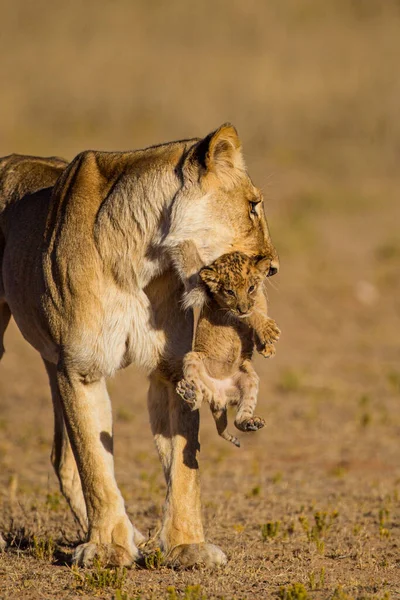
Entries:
{"x":232,"y":322}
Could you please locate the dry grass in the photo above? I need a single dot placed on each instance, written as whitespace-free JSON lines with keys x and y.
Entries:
{"x":309,"y":507}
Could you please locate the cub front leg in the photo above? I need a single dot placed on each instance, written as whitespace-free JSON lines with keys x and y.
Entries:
{"x":266,"y":333}
{"x":248,"y":383}
{"x":266,"y":330}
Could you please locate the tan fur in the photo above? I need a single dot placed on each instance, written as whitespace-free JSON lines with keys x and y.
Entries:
{"x":219,"y":367}
{"x":94,"y":277}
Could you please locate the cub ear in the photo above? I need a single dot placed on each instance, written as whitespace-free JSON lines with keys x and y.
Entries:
{"x":209,"y":276}
{"x":220,"y":151}
{"x":263,"y":264}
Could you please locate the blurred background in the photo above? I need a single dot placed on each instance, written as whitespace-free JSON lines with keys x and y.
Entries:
{"x":313,"y":88}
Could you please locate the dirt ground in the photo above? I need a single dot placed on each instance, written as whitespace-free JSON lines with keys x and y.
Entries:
{"x":309,"y":506}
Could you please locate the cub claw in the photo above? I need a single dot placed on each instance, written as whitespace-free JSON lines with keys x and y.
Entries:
{"x":267,"y":350}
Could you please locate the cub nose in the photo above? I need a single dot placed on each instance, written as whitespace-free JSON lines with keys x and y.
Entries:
{"x":273,"y":268}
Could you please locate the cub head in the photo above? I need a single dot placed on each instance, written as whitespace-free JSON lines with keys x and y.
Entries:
{"x":233,"y":280}
{"x":218,"y":206}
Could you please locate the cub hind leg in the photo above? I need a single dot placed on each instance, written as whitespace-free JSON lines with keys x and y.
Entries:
{"x":221,"y":421}
{"x":196,"y":385}
{"x":248,"y":383}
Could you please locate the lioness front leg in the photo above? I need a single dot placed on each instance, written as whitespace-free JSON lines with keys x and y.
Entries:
{"x":175,"y":428}
{"x":87,"y":412}
{"x":248,"y":384}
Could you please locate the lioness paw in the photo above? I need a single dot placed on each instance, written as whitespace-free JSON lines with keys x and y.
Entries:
{"x":252,"y":424}
{"x":110,"y":555}
{"x":191,"y":555}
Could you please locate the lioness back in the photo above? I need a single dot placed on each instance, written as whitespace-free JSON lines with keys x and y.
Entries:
{"x":25,"y":191}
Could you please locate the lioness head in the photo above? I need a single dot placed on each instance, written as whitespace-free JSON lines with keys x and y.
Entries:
{"x":233,"y":281}
{"x":218,"y":207}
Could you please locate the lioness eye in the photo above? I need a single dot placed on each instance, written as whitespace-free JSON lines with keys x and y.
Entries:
{"x":253,"y":207}
{"x":251,"y":289}
{"x":230,"y":292}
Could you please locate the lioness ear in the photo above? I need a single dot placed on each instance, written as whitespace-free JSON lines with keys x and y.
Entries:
{"x":220,"y":151}
{"x":263,"y":264}
{"x":209,"y":276}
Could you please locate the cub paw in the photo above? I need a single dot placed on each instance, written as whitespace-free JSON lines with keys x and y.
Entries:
{"x":268,"y":350}
{"x":270,"y":332}
{"x":252,"y":424}
{"x":190,"y":392}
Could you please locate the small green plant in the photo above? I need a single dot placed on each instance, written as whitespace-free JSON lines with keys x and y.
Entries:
{"x":316,"y":580}
{"x":42,"y":549}
{"x":277,"y":478}
{"x":124,"y":416}
{"x":340,"y":594}
{"x":291,"y":528}
{"x":270,"y":529}
{"x":154,"y":560}
{"x":365,"y":419}
{"x":320,"y":546}
{"x":100,"y":577}
{"x":383,"y":518}
{"x":120,"y":595}
{"x":296,"y":591}
{"x":53,"y":501}
{"x":191,"y":592}
{"x":394,"y":380}
{"x":289,"y":381}
{"x":255,"y":491}
{"x":322,"y":524}
{"x":338,"y":471}
{"x":388,"y":251}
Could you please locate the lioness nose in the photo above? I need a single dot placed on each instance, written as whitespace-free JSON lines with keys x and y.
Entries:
{"x":273,"y":268}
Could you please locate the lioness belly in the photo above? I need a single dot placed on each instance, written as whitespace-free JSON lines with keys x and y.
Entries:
{"x":21,"y":273}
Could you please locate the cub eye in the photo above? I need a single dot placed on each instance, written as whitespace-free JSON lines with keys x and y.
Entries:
{"x":252,"y":288}
{"x":253,"y":208}
{"x":230,"y":292}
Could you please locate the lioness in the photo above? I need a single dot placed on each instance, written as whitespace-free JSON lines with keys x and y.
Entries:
{"x":232,"y":322}
{"x":92,"y":273}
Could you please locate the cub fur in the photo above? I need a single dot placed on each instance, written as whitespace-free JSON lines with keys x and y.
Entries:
{"x":219,"y":368}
